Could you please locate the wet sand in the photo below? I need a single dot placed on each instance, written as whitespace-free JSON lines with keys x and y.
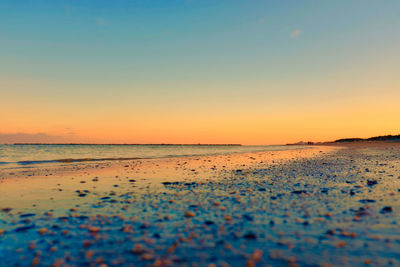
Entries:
{"x":320,"y":206}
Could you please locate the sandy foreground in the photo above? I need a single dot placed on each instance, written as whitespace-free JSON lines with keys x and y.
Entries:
{"x":319,"y":206}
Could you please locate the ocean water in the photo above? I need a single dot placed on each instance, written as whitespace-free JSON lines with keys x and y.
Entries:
{"x":14,"y":156}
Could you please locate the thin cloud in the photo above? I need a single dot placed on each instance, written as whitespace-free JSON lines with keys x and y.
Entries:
{"x":295,"y":34}
{"x":34,"y":138}
{"x":101,"y":22}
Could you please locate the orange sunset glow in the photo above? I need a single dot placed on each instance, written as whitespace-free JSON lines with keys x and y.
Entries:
{"x":249,"y":83}
{"x":199,"y":133}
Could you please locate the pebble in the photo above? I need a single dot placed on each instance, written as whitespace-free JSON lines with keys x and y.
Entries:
{"x":386,"y":209}
{"x":43,"y":231}
{"x":250,"y":235}
{"x":244,"y":213}
{"x":189,"y":214}
{"x":94,"y":229}
{"x":138,"y":249}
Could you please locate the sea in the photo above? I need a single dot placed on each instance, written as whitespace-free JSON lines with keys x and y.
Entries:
{"x":24,"y":155}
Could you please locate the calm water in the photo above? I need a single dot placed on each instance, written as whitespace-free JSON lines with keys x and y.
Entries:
{"x":21,"y":155}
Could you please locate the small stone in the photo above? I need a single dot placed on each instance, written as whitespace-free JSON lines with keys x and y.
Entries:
{"x":94,"y":229}
{"x":25,"y":228}
{"x":248,"y":217}
{"x":138,"y":249}
{"x":27,"y":215}
{"x":367,"y":261}
{"x":43,"y":231}
{"x":387,"y":209}
{"x":250,"y":235}
{"x":341,"y":244}
{"x":35,"y":261}
{"x":298,"y":192}
{"x":367,"y":201}
{"x":257,"y":255}
{"x":89,"y":254}
{"x":32,"y":246}
{"x":147,"y":257}
{"x":86,"y":243}
{"x":6,"y":210}
{"x":189,"y":214}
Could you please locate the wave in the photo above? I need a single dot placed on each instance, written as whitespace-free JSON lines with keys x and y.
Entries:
{"x":17,"y":156}
{"x":69,"y":160}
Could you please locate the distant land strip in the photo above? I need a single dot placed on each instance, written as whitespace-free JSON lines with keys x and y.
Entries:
{"x":382,"y":138}
{"x":393,"y":138}
{"x":86,"y":144}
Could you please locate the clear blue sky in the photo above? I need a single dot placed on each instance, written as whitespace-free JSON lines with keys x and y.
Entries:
{"x":192,"y":58}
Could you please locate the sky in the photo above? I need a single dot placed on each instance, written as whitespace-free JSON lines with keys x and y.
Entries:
{"x":199,"y":71}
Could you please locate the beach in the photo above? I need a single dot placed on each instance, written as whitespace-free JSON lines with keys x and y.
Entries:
{"x":199,"y":133}
{"x":330,"y":205}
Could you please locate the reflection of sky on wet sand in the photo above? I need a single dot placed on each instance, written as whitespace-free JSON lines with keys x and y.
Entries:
{"x":56,"y":187}
{"x":339,"y":207}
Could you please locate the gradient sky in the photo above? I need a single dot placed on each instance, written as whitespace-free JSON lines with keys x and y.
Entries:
{"x":226,"y":71}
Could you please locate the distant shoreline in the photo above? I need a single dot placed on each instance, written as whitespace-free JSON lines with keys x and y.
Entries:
{"x":384,"y":138}
{"x":375,"y":139}
{"x":113,"y":144}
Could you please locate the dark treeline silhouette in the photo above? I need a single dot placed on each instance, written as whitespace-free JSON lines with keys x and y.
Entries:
{"x":391,"y":138}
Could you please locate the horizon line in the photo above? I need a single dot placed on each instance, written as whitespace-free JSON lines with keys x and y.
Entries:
{"x":127,"y":144}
